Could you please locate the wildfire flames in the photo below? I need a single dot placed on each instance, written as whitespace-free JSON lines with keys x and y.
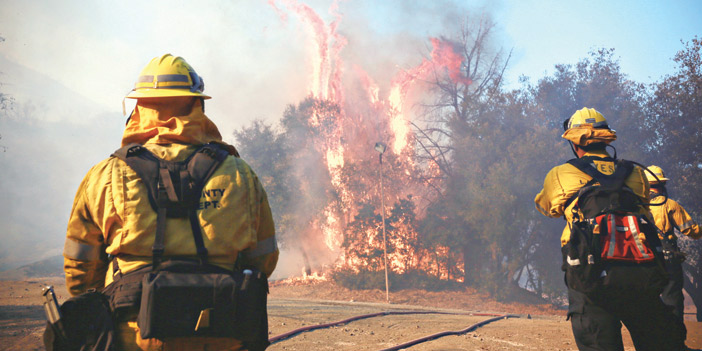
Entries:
{"x":366,"y":115}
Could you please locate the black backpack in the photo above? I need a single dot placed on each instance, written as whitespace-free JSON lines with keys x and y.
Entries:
{"x":606,"y":254}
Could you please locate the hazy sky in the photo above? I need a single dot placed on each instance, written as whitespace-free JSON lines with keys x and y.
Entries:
{"x":69,"y":64}
{"x":245,"y":52}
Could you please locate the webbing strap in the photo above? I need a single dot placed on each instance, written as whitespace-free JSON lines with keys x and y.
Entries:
{"x":145,"y":164}
{"x":200,"y":168}
{"x":197,"y":235}
{"x":165,"y":177}
{"x":159,"y":240}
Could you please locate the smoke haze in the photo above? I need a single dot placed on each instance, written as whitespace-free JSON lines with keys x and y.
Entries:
{"x":69,"y":64}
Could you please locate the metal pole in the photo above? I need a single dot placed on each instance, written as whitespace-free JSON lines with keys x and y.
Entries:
{"x":385,"y":250}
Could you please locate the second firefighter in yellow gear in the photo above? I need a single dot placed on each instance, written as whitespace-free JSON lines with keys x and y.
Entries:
{"x":670,"y":216}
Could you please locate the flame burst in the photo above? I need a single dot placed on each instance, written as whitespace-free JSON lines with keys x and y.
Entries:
{"x":369,"y":117}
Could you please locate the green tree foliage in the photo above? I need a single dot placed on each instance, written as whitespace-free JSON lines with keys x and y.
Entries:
{"x":675,"y":115}
{"x":596,"y":82}
{"x":290,"y":163}
{"x":265,"y":149}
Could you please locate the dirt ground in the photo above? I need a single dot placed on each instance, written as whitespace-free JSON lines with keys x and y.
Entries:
{"x":534,"y":327}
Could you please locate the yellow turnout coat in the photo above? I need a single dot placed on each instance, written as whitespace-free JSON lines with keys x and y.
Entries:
{"x":564,"y":181}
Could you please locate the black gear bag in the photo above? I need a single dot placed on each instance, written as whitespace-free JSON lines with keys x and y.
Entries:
{"x":606,"y":253}
{"x":85,"y":324}
{"x":189,"y":298}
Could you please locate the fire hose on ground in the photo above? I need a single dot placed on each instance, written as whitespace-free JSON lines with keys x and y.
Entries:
{"x":496,"y":317}
{"x":447,"y":333}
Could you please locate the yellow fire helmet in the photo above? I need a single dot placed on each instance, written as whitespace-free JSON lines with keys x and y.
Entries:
{"x":168,"y":76}
{"x":586,"y":117}
{"x":658,"y":172}
{"x":587,"y":126}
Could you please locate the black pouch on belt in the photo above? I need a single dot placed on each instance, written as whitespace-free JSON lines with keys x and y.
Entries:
{"x":185,"y":299}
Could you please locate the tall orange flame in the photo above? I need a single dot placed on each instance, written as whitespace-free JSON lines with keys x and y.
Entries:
{"x":368,"y":118}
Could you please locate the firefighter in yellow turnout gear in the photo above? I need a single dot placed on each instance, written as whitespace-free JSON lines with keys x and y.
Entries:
{"x":669,"y":217}
{"x":596,"y":321}
{"x":112,"y":216}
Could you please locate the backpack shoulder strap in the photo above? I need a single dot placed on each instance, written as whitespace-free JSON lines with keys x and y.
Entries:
{"x":584,"y":167}
{"x":149,"y":168}
{"x":200,"y":167}
{"x":204,"y":162}
{"x":614,"y":181}
{"x":145,"y":164}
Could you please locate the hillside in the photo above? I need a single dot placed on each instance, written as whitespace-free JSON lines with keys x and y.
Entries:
{"x":50,"y":267}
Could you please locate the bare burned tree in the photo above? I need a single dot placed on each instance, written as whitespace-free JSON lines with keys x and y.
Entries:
{"x":450,"y":137}
{"x":459,"y":104}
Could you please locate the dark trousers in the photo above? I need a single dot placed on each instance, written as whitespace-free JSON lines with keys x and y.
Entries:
{"x":672,"y":295}
{"x":597,"y":324}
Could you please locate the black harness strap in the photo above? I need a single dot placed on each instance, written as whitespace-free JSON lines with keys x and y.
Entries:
{"x":608,"y":181}
{"x":612,"y":181}
{"x":174,"y":188}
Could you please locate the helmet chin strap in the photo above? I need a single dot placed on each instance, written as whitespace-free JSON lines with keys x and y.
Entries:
{"x":615,"y":151}
{"x":572,"y":148}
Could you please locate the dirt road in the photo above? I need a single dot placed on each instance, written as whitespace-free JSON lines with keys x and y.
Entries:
{"x":22,"y":321}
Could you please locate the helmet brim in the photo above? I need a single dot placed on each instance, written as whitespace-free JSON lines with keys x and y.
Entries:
{"x":161,"y":92}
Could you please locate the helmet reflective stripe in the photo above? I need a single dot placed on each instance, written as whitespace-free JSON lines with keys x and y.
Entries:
{"x":592,"y":122}
{"x":164,"y":78}
{"x":164,"y":81}
{"x":658,"y":172}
